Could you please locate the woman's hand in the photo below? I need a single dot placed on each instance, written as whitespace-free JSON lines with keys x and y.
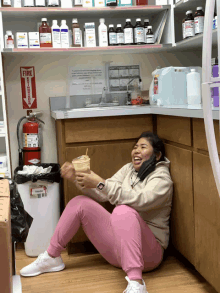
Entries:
{"x":88,"y":180}
{"x":67,"y":171}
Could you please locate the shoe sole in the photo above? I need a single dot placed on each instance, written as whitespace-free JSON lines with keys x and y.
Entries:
{"x":56,"y":269}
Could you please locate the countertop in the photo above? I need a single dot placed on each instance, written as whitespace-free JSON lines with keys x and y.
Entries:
{"x":176,"y":110}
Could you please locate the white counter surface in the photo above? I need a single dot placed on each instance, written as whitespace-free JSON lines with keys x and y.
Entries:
{"x":176,"y":110}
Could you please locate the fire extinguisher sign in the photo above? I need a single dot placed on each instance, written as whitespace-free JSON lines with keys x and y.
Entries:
{"x":28,"y":87}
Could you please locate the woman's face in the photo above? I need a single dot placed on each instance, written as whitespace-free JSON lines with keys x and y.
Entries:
{"x":141,"y":152}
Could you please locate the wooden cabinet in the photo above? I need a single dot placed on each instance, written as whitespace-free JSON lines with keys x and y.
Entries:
{"x":182,"y":227}
{"x":109,"y":141}
{"x":207,"y":220}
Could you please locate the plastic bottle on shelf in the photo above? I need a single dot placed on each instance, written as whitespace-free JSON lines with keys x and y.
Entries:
{"x":45,"y":34}
{"x":119,"y":35}
{"x":76,"y":33}
{"x":199,"y":20}
{"x":9,"y":40}
{"x":150,"y":36}
{"x":193,"y":82}
{"x":53,"y":3}
{"x":138,"y":32}
{"x":111,"y":2}
{"x":103,"y":33}
{"x":189,"y":25}
{"x":99,"y":3}
{"x":55,"y":35}
{"x":141,"y":2}
{"x":28,"y":3}
{"x":6,"y":3}
{"x":146,"y":25}
{"x":128,"y":33}
{"x":40,"y":3}
{"x":112,"y":37}
{"x":64,"y":34}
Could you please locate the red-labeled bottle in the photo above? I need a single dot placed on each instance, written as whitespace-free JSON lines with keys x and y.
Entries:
{"x":45,"y":34}
{"x":141,"y":2}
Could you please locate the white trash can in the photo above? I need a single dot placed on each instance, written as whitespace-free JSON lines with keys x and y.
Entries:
{"x":42,"y":201}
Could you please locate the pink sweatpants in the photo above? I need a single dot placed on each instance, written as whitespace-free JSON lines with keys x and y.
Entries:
{"x":122,"y":238}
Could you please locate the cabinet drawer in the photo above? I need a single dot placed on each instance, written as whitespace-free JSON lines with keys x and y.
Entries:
{"x":176,"y":129}
{"x":199,"y":135}
{"x":106,"y":128}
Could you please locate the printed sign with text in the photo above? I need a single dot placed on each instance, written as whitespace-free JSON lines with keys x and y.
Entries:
{"x":28,"y":87}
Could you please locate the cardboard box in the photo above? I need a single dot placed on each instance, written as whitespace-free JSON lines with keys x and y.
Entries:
{"x":5,"y":238}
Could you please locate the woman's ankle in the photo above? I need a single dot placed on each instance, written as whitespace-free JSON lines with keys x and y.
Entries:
{"x":51,"y":255}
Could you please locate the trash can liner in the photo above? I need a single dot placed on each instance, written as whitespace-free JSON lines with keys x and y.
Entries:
{"x":53,"y":176}
{"x":20,"y":220}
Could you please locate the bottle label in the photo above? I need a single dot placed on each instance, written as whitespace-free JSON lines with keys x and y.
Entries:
{"x":183,"y":29}
{"x":199,"y":24}
{"x":156,"y":84}
{"x":40,"y":2}
{"x":10,"y":44}
{"x":128,"y":35}
{"x":78,"y":2}
{"x":56,"y":37}
{"x":76,"y":36}
{"x":6,"y":2}
{"x":189,"y":28}
{"x":45,"y":38}
{"x":64,"y":34}
{"x":53,"y":2}
{"x":112,"y":38}
{"x":139,"y":35}
{"x":150,"y":39}
{"x":28,"y":2}
{"x":120,"y":38}
{"x":110,"y":1}
{"x":103,"y":37}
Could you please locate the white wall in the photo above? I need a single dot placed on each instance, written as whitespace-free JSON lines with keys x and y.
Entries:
{"x":51,"y":72}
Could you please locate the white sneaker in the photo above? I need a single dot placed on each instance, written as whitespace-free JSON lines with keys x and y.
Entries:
{"x":135,"y":287}
{"x":43,"y":264}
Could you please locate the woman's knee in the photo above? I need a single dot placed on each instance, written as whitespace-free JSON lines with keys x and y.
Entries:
{"x":77,"y":200}
{"x":123,"y":209}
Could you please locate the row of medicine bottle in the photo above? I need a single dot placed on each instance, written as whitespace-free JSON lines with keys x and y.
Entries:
{"x":193,"y":24}
{"x":79,"y":3}
{"x":61,"y":37}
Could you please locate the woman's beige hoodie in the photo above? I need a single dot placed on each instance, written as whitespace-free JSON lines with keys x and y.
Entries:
{"x":152,"y":197}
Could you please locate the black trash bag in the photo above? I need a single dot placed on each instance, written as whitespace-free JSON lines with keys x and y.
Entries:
{"x":20,"y":220}
{"x":53,"y":176}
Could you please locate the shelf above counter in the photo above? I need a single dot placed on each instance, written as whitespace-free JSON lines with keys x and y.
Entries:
{"x":135,"y":49}
{"x":195,"y":42}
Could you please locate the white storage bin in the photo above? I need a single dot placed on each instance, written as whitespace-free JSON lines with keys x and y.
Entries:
{"x":45,"y":211}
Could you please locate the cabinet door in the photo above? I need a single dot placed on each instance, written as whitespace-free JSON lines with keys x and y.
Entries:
{"x":182,"y":214}
{"x":176,"y":129}
{"x":106,"y":160}
{"x":199,"y":135}
{"x":207,"y":220}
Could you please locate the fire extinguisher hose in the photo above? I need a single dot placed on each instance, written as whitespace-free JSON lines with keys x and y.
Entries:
{"x":19,"y":143}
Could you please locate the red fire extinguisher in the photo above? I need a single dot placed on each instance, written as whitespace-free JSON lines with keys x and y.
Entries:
{"x":32,"y":140}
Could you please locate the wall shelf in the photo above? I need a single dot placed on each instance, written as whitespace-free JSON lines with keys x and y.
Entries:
{"x":50,"y":11}
{"x":135,"y":49}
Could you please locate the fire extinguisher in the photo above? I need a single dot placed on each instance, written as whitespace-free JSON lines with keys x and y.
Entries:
{"x":32,"y":140}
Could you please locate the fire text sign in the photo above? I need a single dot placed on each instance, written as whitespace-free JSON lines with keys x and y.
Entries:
{"x":28,"y":87}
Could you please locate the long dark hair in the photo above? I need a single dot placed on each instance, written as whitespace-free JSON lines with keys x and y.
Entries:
{"x":155,"y":142}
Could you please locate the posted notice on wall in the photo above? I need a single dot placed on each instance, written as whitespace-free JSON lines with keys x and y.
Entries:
{"x":86,"y":81}
{"x":28,"y":87}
